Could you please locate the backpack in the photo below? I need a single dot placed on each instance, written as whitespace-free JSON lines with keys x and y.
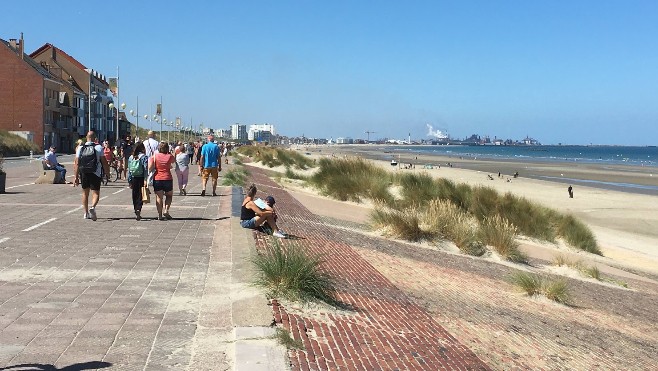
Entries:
{"x":135,"y":167}
{"x":88,"y":161}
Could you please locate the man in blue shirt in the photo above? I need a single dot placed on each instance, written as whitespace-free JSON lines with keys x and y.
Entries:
{"x":210,"y":164}
{"x":51,"y":163}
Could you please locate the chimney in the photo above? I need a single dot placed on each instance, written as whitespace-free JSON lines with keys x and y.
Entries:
{"x":22,"y":47}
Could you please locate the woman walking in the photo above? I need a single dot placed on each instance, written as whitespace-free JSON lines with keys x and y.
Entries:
{"x":182,"y":169}
{"x":137,"y":170}
{"x":163,"y":182}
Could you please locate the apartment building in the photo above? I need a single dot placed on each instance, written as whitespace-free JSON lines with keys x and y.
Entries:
{"x":44,"y":97}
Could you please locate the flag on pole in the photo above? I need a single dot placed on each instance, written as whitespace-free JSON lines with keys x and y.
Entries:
{"x":114,"y":86}
{"x":158,"y":109}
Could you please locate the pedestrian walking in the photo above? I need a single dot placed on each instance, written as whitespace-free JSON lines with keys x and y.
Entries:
{"x":210,"y":164}
{"x":150,"y":144}
{"x":89,"y":161}
{"x":137,"y":170}
{"x":163,"y":181}
{"x":126,"y":151}
{"x":182,"y":169}
{"x":570,"y":190}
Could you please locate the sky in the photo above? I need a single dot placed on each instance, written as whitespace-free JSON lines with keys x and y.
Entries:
{"x":571,"y":72}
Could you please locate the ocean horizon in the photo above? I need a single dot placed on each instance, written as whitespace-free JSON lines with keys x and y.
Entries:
{"x":599,"y":154}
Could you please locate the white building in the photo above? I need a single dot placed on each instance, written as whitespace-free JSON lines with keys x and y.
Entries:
{"x":238,"y":131}
{"x":259,"y":128}
{"x":344,"y":141}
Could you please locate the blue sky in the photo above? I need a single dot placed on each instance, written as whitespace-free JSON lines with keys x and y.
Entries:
{"x":574,"y":72}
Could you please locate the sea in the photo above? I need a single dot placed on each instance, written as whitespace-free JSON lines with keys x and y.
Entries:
{"x":603,"y":155}
{"x":613,"y":155}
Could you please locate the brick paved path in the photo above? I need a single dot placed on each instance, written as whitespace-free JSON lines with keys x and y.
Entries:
{"x":384,"y":329}
{"x":411,"y":302}
{"x":137,"y":295}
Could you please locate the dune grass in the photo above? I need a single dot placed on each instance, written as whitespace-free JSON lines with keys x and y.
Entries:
{"x":499,"y":233}
{"x":356,"y":179}
{"x":292,"y":273}
{"x":352,"y":179}
{"x":403,"y":224}
{"x":15,"y":145}
{"x":532,"y":284}
{"x":273,"y":156}
{"x":235,"y":177}
{"x":454,"y":224}
{"x":577,"y":234}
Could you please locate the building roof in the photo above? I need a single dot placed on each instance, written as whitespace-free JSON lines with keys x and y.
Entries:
{"x":37,"y":67}
{"x":59,"y":51}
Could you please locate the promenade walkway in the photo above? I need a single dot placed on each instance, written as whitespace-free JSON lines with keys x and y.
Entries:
{"x":121,"y":294}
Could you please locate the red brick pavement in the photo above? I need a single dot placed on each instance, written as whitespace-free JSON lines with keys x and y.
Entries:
{"x":383,"y":329}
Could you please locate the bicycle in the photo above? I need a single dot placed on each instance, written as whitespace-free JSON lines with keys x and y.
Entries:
{"x":115,"y":173}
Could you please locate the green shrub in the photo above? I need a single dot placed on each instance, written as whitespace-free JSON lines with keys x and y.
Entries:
{"x":501,"y":234}
{"x":578,"y":235}
{"x":293,"y":274}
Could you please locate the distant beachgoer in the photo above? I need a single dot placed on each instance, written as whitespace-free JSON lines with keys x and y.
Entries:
{"x":570,"y":190}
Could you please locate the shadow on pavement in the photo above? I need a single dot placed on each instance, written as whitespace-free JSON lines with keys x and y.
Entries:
{"x":94,"y":365}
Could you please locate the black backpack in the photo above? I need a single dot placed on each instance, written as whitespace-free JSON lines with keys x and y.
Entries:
{"x":88,"y":161}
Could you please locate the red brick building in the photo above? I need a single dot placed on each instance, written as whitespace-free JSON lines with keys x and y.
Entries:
{"x":44,"y":97}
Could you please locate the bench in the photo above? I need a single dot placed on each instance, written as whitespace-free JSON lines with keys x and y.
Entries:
{"x":46,"y":175}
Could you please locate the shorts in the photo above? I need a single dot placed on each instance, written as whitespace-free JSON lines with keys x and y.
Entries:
{"x":90,"y":181}
{"x":163,"y":185}
{"x":249,"y":223}
{"x":208,"y":172}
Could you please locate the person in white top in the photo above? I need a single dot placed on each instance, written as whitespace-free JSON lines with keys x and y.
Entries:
{"x":151,"y":144}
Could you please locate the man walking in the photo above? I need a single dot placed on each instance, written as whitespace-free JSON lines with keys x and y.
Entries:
{"x":87,"y":168}
{"x":151,"y":145}
{"x":210,"y":164}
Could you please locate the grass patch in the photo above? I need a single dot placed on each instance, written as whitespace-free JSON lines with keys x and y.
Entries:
{"x":15,"y":145}
{"x":403,"y":224}
{"x":352,"y":179}
{"x":293,"y":274}
{"x":557,"y":290}
{"x":235,"y":177}
{"x":290,"y":174}
{"x":283,"y":337}
{"x":593,"y":272}
{"x":532,"y":284}
{"x":498,"y":232}
{"x":577,"y":234}
{"x":356,"y":179}
{"x":272,"y":157}
{"x":455,"y":225}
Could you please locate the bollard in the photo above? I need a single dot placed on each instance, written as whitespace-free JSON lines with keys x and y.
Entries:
{"x":31,"y":154}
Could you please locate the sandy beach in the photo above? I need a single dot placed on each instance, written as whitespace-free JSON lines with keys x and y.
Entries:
{"x":625,"y":223}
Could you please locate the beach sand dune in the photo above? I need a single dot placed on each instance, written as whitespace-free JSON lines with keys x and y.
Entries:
{"x":624,"y":223}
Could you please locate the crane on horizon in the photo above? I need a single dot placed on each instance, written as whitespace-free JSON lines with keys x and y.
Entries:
{"x":369,"y":132}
